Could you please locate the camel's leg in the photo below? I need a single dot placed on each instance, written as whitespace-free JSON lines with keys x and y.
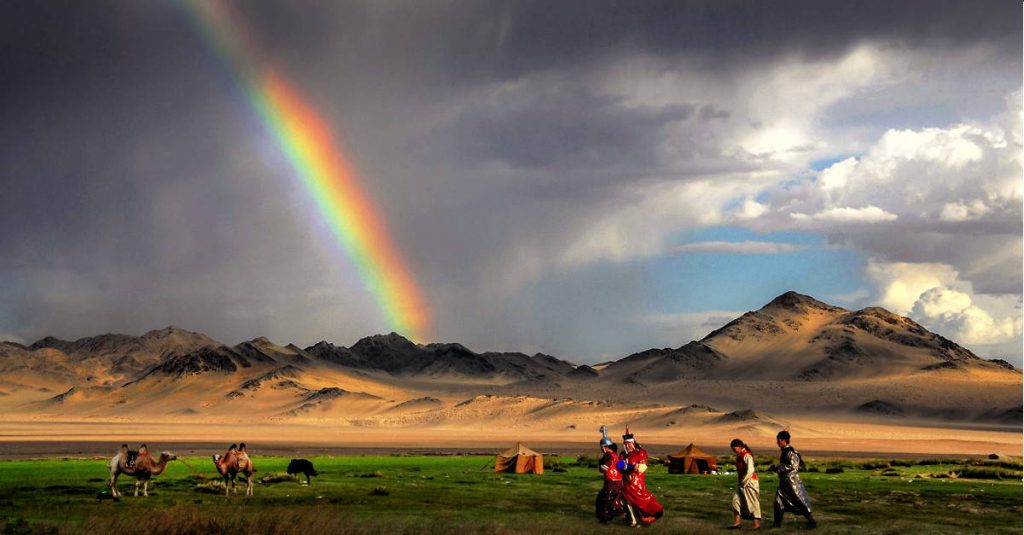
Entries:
{"x":227,"y":489}
{"x":137,"y":483}
{"x":248,"y":489}
{"x":145,"y":488}
{"x":113,"y":486}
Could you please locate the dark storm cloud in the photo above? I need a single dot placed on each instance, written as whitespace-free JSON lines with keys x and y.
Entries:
{"x":93,"y":97}
{"x":465,"y":42}
{"x":565,"y":127}
{"x":510,"y":38}
{"x":387,"y":63}
{"x":564,"y":139}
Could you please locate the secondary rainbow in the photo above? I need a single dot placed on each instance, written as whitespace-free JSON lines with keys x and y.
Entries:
{"x":308,"y":143}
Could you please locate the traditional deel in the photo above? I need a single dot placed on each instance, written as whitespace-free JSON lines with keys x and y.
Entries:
{"x":609,"y":501}
{"x":642,"y":506}
{"x":746,"y":503}
{"x":792,"y":496}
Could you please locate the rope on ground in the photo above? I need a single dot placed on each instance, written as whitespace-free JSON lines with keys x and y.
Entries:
{"x":192,"y":468}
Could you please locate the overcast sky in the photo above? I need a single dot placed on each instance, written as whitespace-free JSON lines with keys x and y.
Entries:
{"x":585,"y":179}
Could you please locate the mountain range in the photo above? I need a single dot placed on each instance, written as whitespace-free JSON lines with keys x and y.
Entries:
{"x":794,"y":356}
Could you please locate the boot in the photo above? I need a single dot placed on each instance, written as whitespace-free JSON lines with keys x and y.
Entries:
{"x":811,"y":523}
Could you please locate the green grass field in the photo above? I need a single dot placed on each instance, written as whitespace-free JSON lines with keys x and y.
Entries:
{"x":427,"y":494}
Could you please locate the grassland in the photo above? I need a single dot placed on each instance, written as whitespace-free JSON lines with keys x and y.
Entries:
{"x":439,"y":494}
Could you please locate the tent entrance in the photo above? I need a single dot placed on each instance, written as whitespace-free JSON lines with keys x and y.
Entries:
{"x":702,"y":466}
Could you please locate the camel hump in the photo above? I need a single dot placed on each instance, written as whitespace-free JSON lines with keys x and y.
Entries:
{"x":245,"y":463}
{"x":241,"y":446}
{"x":124,"y":448}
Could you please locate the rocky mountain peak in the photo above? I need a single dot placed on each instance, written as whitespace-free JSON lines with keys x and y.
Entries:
{"x":202,"y":361}
{"x":884,"y":315}
{"x":49,"y":342}
{"x":168,"y":331}
{"x":392,"y":340}
{"x":452,"y":347}
{"x":798,"y":302}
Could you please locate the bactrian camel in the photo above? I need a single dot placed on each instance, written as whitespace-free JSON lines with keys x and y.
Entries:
{"x":139,"y":464}
{"x":235,"y":461}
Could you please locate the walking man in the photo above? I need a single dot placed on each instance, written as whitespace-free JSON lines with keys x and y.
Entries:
{"x":791,"y":496}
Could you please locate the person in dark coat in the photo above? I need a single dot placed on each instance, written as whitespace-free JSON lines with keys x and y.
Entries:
{"x":791,"y":496}
{"x":609,"y":500}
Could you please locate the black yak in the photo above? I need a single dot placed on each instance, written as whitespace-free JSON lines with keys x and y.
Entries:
{"x":301,"y":466}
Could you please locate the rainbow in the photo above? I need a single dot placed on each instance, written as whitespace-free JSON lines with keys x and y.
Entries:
{"x":309,"y":145}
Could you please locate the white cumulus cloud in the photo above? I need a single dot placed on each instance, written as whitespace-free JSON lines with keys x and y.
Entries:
{"x":845,"y":214}
{"x":955,"y":314}
{"x":935,"y":296}
{"x":959,"y":211}
{"x":948,"y":195}
{"x":900,"y":284}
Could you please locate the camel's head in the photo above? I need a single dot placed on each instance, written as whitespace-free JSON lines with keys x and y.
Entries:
{"x":167,"y":456}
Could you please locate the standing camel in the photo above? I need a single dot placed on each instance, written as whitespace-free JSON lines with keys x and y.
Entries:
{"x":235,"y":461}
{"x":139,"y":464}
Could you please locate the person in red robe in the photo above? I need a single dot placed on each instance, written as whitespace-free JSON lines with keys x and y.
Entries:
{"x":641,"y":505}
{"x":609,"y":500}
